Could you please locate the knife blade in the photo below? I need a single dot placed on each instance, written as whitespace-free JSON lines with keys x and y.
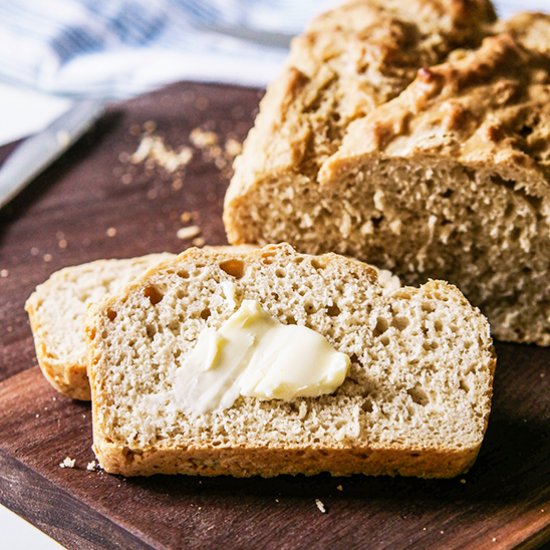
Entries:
{"x":36,"y":153}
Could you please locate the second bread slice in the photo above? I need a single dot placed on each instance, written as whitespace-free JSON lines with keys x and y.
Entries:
{"x":416,"y":400}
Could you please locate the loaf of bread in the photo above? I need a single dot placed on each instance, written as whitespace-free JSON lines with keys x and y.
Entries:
{"x":415,"y":402}
{"x":414,"y":135}
{"x":56,"y":311}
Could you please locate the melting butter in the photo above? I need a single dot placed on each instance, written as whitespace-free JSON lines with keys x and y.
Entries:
{"x":254,"y":355}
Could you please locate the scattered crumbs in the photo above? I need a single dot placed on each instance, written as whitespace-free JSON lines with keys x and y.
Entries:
{"x":199,"y":241}
{"x":463,"y":481}
{"x":203,"y":138}
{"x":63,"y":138}
{"x":233,"y":147}
{"x":111,"y":232}
{"x":542,"y":510}
{"x":339,"y":488}
{"x":68,"y":462}
{"x":494,"y":539}
{"x":83,"y":416}
{"x":47,"y":257}
{"x":177,"y":184}
{"x":154,"y":149}
{"x":542,"y":374}
{"x":34,"y":251}
{"x":91,"y":466}
{"x":441,"y":531}
{"x":126,"y":179}
{"x":200,"y":481}
{"x":423,"y":528}
{"x":199,"y":508}
{"x":10,"y":328}
{"x":54,"y":398}
{"x":321,"y":506}
{"x":62,"y":243}
{"x":135,"y":129}
{"x":37,"y":415}
{"x":4,"y":273}
{"x":150,"y":126}
{"x":277,"y":500}
{"x":185,"y":233}
{"x":186,"y":217}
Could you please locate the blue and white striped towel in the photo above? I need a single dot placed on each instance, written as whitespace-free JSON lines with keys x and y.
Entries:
{"x":115,"y":48}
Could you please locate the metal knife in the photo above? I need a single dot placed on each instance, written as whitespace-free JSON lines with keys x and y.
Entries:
{"x":36,"y":153}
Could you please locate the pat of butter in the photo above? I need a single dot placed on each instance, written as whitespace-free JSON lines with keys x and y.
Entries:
{"x":254,"y":355}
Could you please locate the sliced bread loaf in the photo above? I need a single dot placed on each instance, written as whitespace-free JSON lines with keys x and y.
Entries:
{"x":416,"y":400}
{"x":414,"y":135}
{"x":56,"y":311}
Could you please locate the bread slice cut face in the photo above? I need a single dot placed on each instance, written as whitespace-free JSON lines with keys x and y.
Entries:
{"x":56,"y":311}
{"x":415,"y":402}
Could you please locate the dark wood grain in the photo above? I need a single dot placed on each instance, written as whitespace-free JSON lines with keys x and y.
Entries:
{"x":504,"y":502}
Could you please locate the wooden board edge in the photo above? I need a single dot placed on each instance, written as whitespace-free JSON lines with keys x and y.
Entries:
{"x":64,"y":518}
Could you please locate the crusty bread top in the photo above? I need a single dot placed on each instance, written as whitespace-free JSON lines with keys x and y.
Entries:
{"x":403,"y":77}
{"x":421,"y":372}
{"x":347,"y":62}
{"x":489,"y":106}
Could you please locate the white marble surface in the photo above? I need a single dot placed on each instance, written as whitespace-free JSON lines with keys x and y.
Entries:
{"x":18,"y":534}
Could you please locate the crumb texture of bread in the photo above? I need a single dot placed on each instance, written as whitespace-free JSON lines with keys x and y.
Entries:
{"x":415,"y":136}
{"x":56,"y":311}
{"x":416,"y":401}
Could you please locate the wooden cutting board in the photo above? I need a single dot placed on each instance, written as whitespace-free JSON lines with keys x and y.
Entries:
{"x":96,"y":203}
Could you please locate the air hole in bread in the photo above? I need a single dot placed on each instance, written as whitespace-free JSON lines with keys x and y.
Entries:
{"x":111,"y":315}
{"x":333,"y":310}
{"x":367,"y":406}
{"x":447,"y":194}
{"x":233,"y":267}
{"x":400,"y":323}
{"x":438,"y":325}
{"x":385,"y":341}
{"x":428,"y":307}
{"x":381,"y":326}
{"x":104,"y":334}
{"x":290,"y":320}
{"x":205,"y":313}
{"x":280,"y":272}
{"x":515,"y":234}
{"x":464,"y":386}
{"x":316,"y":264}
{"x":151,"y":331}
{"x":184,"y":274}
{"x":309,"y":308}
{"x":154,"y":294}
{"x":418,"y":395}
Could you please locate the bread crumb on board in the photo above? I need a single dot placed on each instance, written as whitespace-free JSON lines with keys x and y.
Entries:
{"x":68,"y":462}
{"x":91,"y":466}
{"x":321,"y":506}
{"x":111,"y":232}
{"x":4,"y":273}
{"x":153,"y":148}
{"x":189,"y":232}
{"x":339,"y":488}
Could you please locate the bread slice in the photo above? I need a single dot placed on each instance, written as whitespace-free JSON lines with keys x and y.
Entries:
{"x":56,"y":311}
{"x":416,"y":401}
{"x":414,"y":135}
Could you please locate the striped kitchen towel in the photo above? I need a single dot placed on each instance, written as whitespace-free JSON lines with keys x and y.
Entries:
{"x":116,"y":48}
